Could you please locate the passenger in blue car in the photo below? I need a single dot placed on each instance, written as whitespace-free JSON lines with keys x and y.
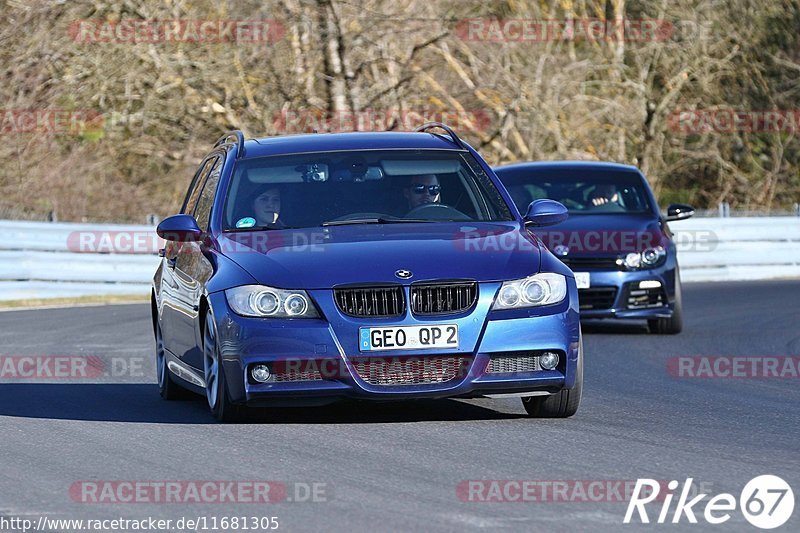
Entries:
{"x":267,"y":207}
{"x":422,"y":190}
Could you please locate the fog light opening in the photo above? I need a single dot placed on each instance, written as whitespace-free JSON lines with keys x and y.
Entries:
{"x":260,"y":373}
{"x":650,"y":284}
{"x":548,"y":360}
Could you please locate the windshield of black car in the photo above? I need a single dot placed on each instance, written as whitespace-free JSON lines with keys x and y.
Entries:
{"x":365,"y":186}
{"x":581,"y":191}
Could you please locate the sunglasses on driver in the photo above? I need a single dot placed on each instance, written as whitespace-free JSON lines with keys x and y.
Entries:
{"x":421,"y":188}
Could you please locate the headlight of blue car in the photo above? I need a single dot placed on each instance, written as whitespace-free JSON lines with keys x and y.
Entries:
{"x":540,"y":289}
{"x":649,"y":258}
{"x":263,"y":301}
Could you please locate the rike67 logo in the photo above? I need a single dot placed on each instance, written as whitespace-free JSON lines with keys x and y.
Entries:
{"x":766,"y":502}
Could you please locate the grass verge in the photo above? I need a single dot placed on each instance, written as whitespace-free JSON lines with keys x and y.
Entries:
{"x":76,"y":300}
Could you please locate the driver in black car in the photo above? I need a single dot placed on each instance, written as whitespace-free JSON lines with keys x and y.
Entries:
{"x":421,"y":190}
{"x":604,"y":193}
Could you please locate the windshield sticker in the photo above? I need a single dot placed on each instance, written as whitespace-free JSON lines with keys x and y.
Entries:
{"x":246,"y":222}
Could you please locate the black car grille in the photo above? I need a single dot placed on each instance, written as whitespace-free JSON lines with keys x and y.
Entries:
{"x":591,"y":263}
{"x":424,"y":370}
{"x":290,"y":375}
{"x":644,"y":298}
{"x":597,"y":298}
{"x":370,"y":301}
{"x":513,"y":363}
{"x":443,"y":298}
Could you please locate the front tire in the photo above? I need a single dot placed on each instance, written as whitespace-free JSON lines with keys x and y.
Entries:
{"x":219,"y":402}
{"x":562,"y":404}
{"x":674,"y":324}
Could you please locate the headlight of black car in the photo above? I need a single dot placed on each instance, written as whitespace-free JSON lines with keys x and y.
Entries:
{"x":649,"y":258}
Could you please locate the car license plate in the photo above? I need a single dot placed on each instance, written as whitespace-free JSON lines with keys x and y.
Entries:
{"x":408,"y":337}
{"x":582,"y":280}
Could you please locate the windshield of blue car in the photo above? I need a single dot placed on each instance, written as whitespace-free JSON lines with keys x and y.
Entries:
{"x":360,"y":187}
{"x":581,"y":191}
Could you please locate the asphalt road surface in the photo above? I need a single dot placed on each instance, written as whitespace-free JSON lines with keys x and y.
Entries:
{"x":404,"y":466}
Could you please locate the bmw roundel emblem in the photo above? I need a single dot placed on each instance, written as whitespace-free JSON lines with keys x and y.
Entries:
{"x":561,"y":250}
{"x":403,"y":274}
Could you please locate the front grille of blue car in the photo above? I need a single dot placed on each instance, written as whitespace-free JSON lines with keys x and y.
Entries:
{"x":366,"y":302}
{"x":592,"y":263}
{"x":597,"y":298}
{"x":422,"y":370}
{"x":443,"y":298}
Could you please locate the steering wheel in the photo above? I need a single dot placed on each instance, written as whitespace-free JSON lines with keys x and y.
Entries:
{"x":437,"y":212}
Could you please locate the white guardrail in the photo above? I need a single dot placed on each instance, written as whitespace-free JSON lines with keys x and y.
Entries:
{"x":56,"y":260}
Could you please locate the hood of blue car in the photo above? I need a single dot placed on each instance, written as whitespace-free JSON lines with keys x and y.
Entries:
{"x":603,"y":235}
{"x":321,"y":258}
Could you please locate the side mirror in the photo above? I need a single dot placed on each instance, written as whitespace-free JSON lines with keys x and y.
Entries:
{"x":545,"y":213}
{"x":679,"y":212}
{"x":180,"y":228}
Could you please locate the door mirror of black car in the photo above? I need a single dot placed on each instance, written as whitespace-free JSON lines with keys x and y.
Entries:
{"x":545,"y":213}
{"x":679,"y":212}
{"x":179,"y":228}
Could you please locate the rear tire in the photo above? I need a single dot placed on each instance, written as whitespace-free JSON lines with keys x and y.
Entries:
{"x":562,"y":404}
{"x":219,"y":402}
{"x":674,"y":324}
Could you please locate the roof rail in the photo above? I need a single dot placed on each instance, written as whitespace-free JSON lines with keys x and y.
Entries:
{"x":237,"y":139}
{"x":434,"y":125}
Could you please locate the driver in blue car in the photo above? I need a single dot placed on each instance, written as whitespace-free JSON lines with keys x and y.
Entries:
{"x":422,"y":190}
{"x":605,"y":193}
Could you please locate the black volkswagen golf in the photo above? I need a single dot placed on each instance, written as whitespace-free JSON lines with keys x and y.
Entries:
{"x":616,"y":240}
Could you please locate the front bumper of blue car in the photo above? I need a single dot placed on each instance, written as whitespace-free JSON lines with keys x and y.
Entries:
{"x":641,"y":294}
{"x":314,"y":361}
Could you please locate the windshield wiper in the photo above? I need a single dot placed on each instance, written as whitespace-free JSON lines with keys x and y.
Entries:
{"x":253,"y":228}
{"x":374,"y":221}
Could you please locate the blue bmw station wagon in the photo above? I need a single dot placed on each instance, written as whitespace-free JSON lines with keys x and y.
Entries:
{"x":378,"y":266}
